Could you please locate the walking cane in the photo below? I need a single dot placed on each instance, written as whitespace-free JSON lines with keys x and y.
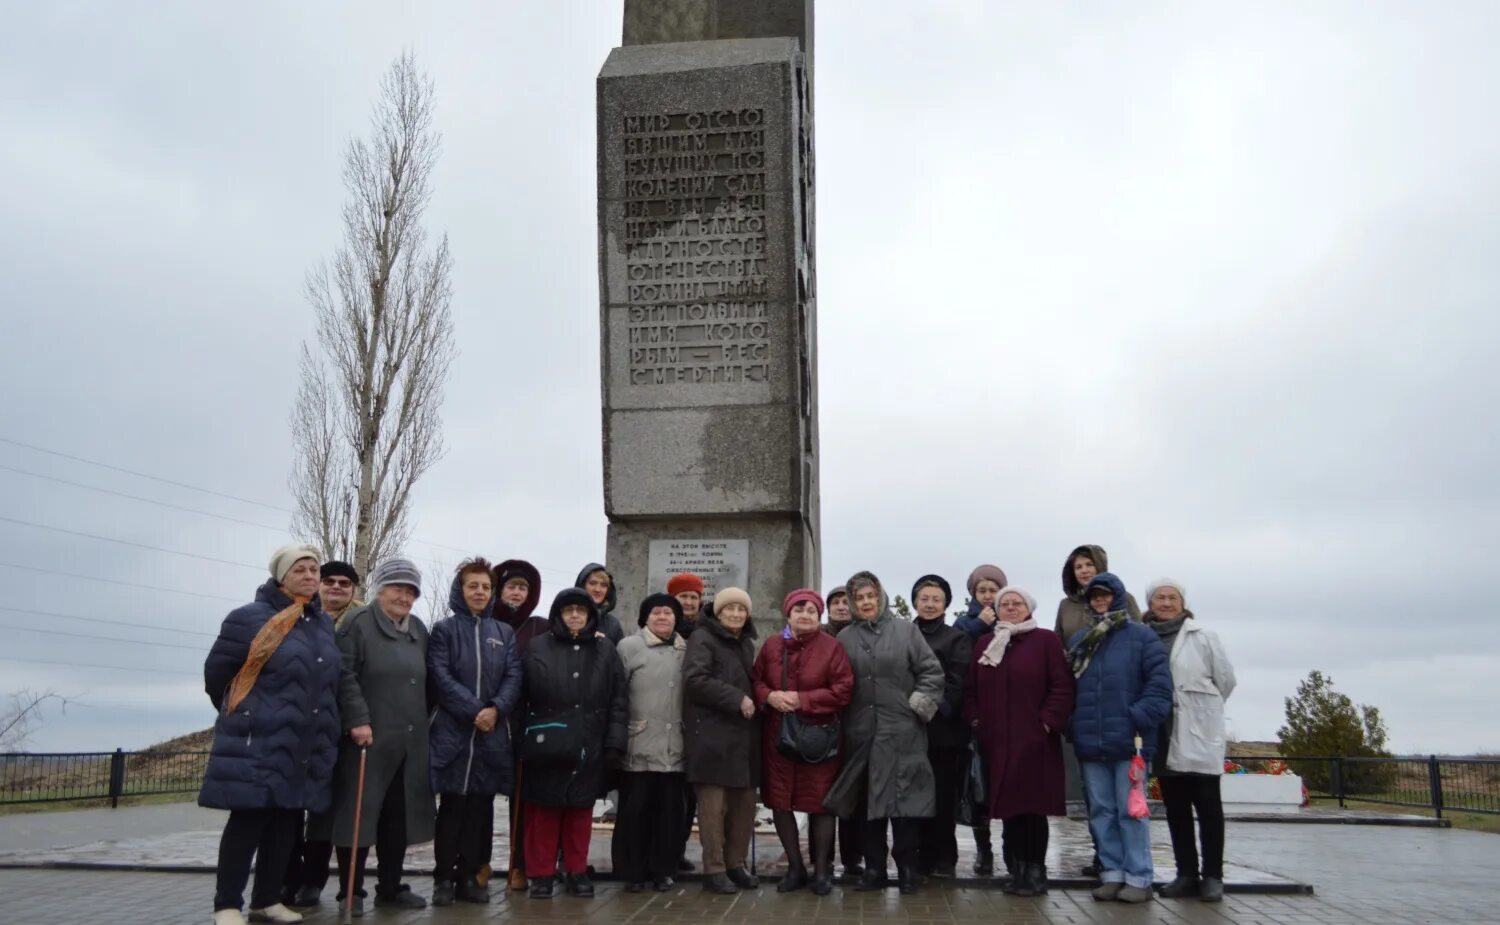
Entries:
{"x":515,"y":806}
{"x":359,"y":804}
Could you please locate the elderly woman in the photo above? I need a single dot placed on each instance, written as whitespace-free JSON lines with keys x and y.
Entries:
{"x":1192,"y":741}
{"x":272,"y":675}
{"x":383,"y":706}
{"x":801,"y":672}
{"x":723,"y":741}
{"x":1124,"y":695}
{"x":948,"y":733}
{"x":518,"y":589}
{"x":1018,"y":698}
{"x":475,"y":672}
{"x":898,"y":685}
{"x":573,"y":733}
{"x":647,"y":843}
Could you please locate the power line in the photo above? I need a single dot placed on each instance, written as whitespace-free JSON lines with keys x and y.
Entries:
{"x":134,"y":642}
{"x":208,"y":491}
{"x":133,"y":625}
{"x":110,"y":539}
{"x":43,"y":661}
{"x":115,"y":581}
{"x":144,"y":475}
{"x":121,"y":494}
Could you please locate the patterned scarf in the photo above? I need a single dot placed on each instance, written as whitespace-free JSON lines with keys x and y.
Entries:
{"x":995,"y":651}
{"x":1083,"y":653}
{"x":262,"y":647}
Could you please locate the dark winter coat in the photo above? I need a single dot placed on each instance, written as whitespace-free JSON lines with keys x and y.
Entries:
{"x":1021,"y":706}
{"x":609,"y":624}
{"x":819,"y":671}
{"x":952,"y":646}
{"x":524,"y":619}
{"x":1073,"y":613}
{"x":277,"y":748}
{"x":383,"y":685}
{"x":898,"y":685}
{"x":472,"y":663}
{"x":970,"y":623}
{"x":723,"y":748}
{"x":578,"y":681}
{"x":1125,"y":692}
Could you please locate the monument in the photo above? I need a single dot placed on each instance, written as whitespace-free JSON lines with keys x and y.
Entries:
{"x":708,"y":308}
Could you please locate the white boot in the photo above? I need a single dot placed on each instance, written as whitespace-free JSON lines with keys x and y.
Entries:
{"x":228,"y":917}
{"x":278,"y":913}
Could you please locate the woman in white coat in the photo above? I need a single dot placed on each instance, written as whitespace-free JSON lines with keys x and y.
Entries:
{"x":1192,"y":744}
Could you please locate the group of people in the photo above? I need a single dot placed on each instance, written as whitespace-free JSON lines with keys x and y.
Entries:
{"x":333,"y":710}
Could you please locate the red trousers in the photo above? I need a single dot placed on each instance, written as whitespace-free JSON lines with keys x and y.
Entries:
{"x":545,"y":827}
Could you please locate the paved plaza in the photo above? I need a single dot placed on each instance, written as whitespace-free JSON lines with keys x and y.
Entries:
{"x":1359,"y":873}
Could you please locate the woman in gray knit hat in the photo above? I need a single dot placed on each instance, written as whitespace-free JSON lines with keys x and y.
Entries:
{"x":383,"y":708}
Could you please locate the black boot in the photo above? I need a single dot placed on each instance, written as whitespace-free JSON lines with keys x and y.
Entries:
{"x":742,"y":878}
{"x":908,"y":880}
{"x":443,"y":893}
{"x":1211,"y":889}
{"x":471,"y":891}
{"x":984,"y":854}
{"x":540,"y":888}
{"x":579,"y":885}
{"x":1038,"y":878}
{"x":719,"y":883}
{"x":1180,"y":887}
{"x":1017,"y":883}
{"x":795,"y":879}
{"x":871,"y":879}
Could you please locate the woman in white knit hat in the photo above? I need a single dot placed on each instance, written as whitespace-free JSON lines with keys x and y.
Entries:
{"x":1190,"y":753}
{"x":383,"y":709}
{"x":273,"y":676}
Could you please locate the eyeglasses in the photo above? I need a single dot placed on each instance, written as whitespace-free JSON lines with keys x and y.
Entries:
{"x":338,"y":582}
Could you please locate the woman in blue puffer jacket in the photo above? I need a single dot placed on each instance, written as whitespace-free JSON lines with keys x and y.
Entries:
{"x":1124,"y":694}
{"x":273,"y":675}
{"x":474,"y":673}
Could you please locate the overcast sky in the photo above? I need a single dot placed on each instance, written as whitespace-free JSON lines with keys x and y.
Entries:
{"x":1214,"y":286}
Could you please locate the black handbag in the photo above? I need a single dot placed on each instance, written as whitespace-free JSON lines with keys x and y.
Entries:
{"x":555,"y":741}
{"x":799,"y":740}
{"x":972,"y":805}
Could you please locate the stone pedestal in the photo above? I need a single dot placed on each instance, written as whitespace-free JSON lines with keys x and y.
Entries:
{"x":708,"y":309}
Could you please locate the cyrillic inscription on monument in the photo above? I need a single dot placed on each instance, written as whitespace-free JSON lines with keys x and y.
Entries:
{"x":720,"y":563}
{"x":695,"y":247}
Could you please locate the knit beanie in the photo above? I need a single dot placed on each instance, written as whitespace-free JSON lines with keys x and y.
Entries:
{"x":396,"y":572}
{"x":654,"y":601}
{"x":1166,"y":583}
{"x":936,"y":581}
{"x":799,"y":596}
{"x":836,"y":592}
{"x":684,"y":581}
{"x":335,"y":568}
{"x":283,"y":558}
{"x":728,"y":596}
{"x":992,"y":572}
{"x":1025,"y":596}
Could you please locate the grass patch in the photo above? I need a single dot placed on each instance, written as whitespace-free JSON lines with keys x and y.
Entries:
{"x":16,"y":809}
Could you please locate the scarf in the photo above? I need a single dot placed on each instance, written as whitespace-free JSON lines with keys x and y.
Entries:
{"x":1083,"y":653}
{"x":267,"y":640}
{"x":995,"y":651}
{"x":1167,"y":630}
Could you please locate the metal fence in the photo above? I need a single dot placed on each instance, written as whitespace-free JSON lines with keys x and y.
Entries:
{"x":1470,"y":785}
{"x":95,"y":776}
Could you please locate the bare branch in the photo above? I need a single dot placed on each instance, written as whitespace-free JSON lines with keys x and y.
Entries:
{"x":367,"y":424}
{"x":22,"y":716}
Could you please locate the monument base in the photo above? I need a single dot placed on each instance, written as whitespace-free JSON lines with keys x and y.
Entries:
{"x":766,"y":555}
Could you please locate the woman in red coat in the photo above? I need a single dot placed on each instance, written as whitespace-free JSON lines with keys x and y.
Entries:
{"x":1018,"y":699}
{"x":801,"y":670}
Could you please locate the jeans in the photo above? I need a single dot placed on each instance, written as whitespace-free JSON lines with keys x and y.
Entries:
{"x":1182,"y":794}
{"x":1124,"y":843}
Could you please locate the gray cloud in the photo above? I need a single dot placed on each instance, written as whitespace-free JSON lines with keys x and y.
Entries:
{"x":1211,"y":287}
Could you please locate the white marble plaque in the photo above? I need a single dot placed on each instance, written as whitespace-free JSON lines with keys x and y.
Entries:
{"x":720,"y":563}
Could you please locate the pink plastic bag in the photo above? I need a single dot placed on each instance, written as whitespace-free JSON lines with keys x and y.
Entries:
{"x":1136,"y":805}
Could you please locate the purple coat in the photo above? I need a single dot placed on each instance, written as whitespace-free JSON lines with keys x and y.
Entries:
{"x":1012,"y":701}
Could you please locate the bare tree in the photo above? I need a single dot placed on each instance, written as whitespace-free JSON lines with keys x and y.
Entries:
{"x":366,"y":423}
{"x":21,"y":717}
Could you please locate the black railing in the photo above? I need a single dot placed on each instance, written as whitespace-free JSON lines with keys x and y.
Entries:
{"x":92,"y":776}
{"x":1470,"y":785}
